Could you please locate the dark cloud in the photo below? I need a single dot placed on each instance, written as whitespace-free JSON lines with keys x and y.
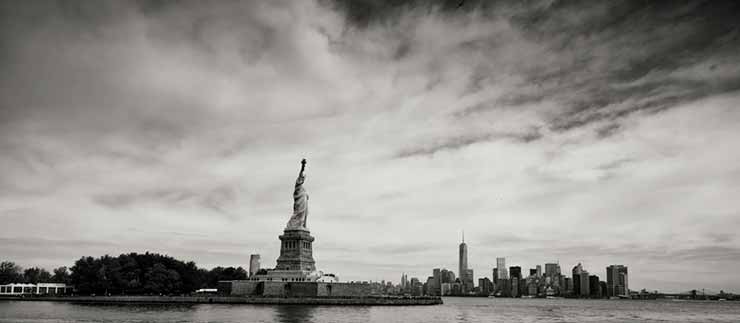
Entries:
{"x":669,"y":37}
{"x":608,"y":130}
{"x":615,"y":164}
{"x":216,"y":199}
{"x":605,"y":61}
{"x":721,"y":237}
{"x":453,"y":143}
{"x":446,"y":144}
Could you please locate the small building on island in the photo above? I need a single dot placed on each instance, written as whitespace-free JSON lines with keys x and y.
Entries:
{"x":18,"y":289}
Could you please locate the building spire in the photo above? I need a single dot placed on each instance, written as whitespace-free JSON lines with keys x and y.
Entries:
{"x":463,"y":236}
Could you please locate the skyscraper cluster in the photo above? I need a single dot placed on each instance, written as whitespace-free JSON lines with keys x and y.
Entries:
{"x":513,"y":282}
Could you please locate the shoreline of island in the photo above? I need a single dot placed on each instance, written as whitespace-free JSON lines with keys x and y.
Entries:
{"x":360,"y":301}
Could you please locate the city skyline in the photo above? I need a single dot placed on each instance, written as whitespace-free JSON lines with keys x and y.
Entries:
{"x":585,"y":132}
{"x":515,"y":283}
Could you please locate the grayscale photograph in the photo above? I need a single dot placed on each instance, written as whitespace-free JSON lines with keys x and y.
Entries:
{"x":407,"y":161}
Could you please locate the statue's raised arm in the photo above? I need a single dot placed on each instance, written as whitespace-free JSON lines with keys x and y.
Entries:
{"x":300,"y":201}
{"x":303,"y":167}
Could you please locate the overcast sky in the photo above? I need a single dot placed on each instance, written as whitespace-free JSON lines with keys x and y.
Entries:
{"x":601,"y":132}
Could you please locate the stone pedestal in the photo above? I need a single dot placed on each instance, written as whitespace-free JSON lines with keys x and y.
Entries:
{"x":296,"y":251}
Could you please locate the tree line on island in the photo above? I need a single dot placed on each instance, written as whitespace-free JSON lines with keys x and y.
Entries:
{"x":127,"y":274}
{"x":12,"y":273}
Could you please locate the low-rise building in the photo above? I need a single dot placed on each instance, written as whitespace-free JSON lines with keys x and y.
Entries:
{"x":36,"y":289}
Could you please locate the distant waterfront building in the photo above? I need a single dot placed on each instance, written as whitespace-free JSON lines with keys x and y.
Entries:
{"x":532,"y":271}
{"x":515,"y":276}
{"x":494,"y":277}
{"x":577,"y":269}
{"x":562,"y":286}
{"x":429,"y":286}
{"x":448,"y":276}
{"x":414,"y":282}
{"x":456,"y":289}
{"x":568,"y":285}
{"x":531,"y":288}
{"x":254,"y":264}
{"x":594,"y":286}
{"x":501,"y":266}
{"x":434,"y":288}
{"x":553,"y":274}
{"x":417,"y":288}
{"x":585,"y":284}
{"x":616,"y":280}
{"x":602,"y":285}
{"x":515,"y":271}
{"x":552,"y":270}
{"x":503,"y":288}
{"x":523,"y":286}
{"x":514,"y":286}
{"x":468,"y":282}
{"x":446,"y":289}
{"x":580,"y":281}
{"x":539,"y":271}
{"x":485,"y":285}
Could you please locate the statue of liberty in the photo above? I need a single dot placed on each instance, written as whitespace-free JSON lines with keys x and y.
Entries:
{"x":300,"y":202}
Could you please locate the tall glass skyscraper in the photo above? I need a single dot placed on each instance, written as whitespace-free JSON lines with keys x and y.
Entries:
{"x":616,"y":280}
{"x":501,"y":268}
{"x":463,"y":262}
{"x":552,"y":270}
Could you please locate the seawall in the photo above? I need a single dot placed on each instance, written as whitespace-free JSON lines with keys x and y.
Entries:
{"x":363,"y":301}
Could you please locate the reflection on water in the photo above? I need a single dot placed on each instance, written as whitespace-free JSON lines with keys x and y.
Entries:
{"x":295,"y":313}
{"x":139,"y":308}
{"x":463,"y":316}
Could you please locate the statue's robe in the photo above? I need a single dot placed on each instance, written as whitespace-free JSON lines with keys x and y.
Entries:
{"x":300,"y":205}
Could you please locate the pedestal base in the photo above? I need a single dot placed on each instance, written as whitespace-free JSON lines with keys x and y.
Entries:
{"x":296,"y":251}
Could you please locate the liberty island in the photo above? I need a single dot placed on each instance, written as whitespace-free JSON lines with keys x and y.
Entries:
{"x":295,"y":274}
{"x":294,"y":280}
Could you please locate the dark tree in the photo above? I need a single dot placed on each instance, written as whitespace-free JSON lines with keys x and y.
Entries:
{"x":85,"y":275}
{"x":36,"y":275}
{"x":160,"y":280}
{"x":228,"y":273}
{"x":10,"y":273}
{"x":149,"y":273}
{"x":61,"y":275}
